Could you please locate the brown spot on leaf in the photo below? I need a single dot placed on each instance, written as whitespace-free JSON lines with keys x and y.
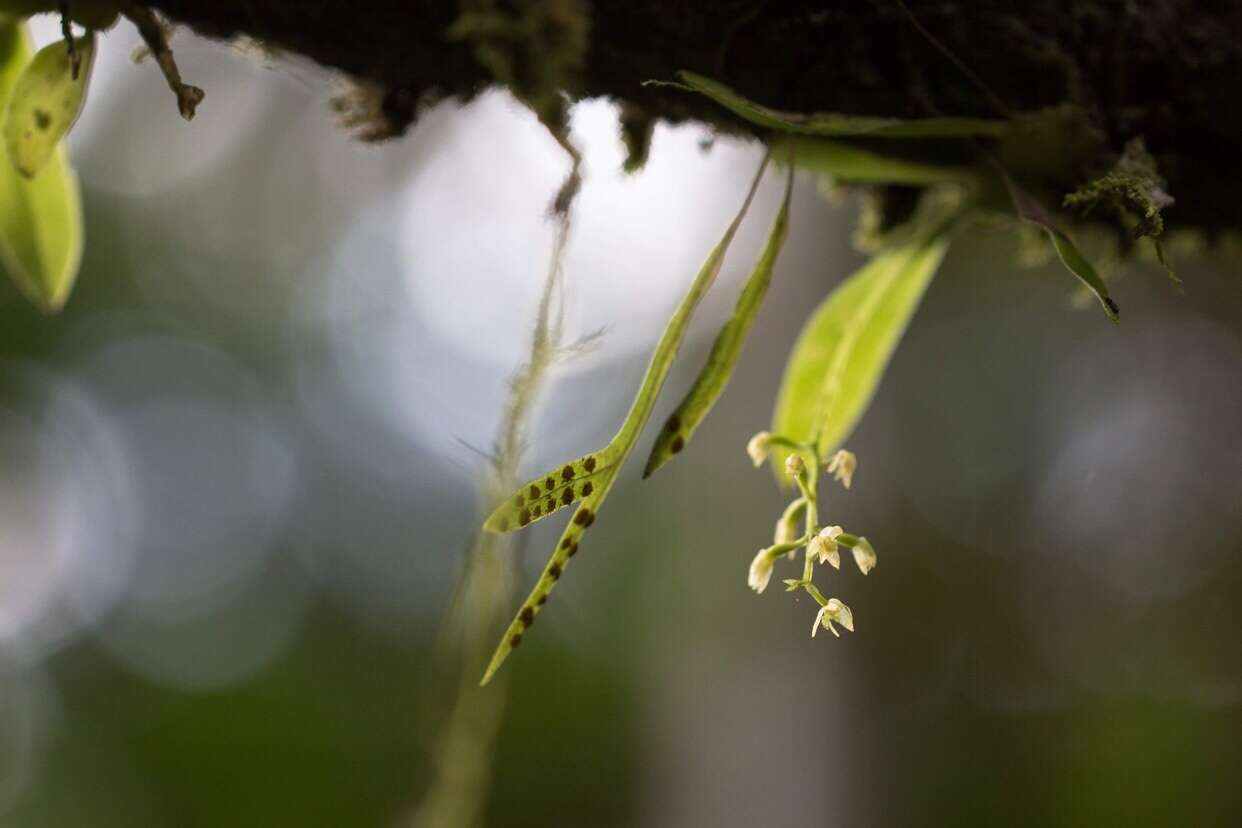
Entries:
{"x":567,"y":473}
{"x":678,"y":444}
{"x":519,"y":501}
{"x":515,"y":640}
{"x":524,"y":517}
{"x":554,"y":571}
{"x":587,"y":488}
{"x":583,"y":517}
{"x":567,"y":496}
{"x":573,"y":550}
{"x":549,"y":483}
{"x":674,"y":423}
{"x":589,"y":464}
{"x":527,"y":616}
{"x":543,"y":599}
{"x":565,"y":542}
{"x":535,"y":510}
{"x":534,"y":491}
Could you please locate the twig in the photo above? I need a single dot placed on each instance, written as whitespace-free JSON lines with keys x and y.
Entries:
{"x":188,"y":97}
{"x":66,"y":31}
{"x":462,"y":756}
{"x":993,"y":100}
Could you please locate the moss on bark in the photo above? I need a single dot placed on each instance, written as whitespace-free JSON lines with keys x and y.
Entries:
{"x":1169,"y":71}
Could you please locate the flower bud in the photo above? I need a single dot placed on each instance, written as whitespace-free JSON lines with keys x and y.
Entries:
{"x":760,"y":571}
{"x":786,"y":532}
{"x":842,"y":466}
{"x":787,"y":526}
{"x":795,"y":466}
{"x":864,"y":556}
{"x":759,"y":447}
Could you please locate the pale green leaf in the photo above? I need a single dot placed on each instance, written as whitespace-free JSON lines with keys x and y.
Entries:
{"x":40,"y":217}
{"x":834,"y":125}
{"x":843,"y":349}
{"x":46,"y":101}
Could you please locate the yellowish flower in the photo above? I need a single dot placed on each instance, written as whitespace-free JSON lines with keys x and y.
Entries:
{"x":842,"y":465}
{"x":795,"y":466}
{"x":787,"y":527}
{"x":759,"y":447}
{"x":864,"y":555}
{"x":834,"y":610}
{"x":760,"y":571}
{"x":824,"y":546}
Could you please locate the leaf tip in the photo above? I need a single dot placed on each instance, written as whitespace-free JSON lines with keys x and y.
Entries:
{"x":1111,"y":308}
{"x":498,"y":658}
{"x":654,"y":462}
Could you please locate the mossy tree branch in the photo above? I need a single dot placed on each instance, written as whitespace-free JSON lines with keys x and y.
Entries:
{"x":1169,"y":71}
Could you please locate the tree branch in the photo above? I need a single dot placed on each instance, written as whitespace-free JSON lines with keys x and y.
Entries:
{"x":1167,"y":70}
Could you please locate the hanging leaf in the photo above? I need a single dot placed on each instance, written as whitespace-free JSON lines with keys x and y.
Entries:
{"x":845,"y":346}
{"x":834,"y":125}
{"x":1030,"y":210}
{"x":40,"y":217}
{"x":46,"y":101}
{"x":599,"y":469}
{"x":711,"y":382}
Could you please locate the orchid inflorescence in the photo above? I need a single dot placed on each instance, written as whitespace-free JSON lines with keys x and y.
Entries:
{"x":822,"y":543}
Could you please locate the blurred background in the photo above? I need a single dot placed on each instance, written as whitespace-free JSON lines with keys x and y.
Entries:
{"x":237,"y":476}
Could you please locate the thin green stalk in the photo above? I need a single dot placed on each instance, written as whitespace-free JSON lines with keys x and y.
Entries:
{"x":461,"y":760}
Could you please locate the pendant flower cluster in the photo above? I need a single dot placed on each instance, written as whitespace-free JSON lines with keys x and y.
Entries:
{"x":799,"y":527}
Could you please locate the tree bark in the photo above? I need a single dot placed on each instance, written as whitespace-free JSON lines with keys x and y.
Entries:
{"x":1169,"y":71}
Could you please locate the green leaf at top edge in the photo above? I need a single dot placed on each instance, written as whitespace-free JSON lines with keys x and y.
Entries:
{"x":40,"y":217}
{"x":45,"y":102}
{"x":835,"y":125}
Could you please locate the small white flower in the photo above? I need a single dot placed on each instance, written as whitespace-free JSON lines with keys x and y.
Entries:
{"x":824,"y":546}
{"x":795,"y":466}
{"x":786,"y":532}
{"x":842,"y":465}
{"x":834,"y":610}
{"x":760,"y":571}
{"x":864,"y":555}
{"x":759,"y":447}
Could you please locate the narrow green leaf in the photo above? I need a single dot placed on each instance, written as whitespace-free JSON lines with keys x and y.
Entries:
{"x":845,"y":162}
{"x":845,"y":346}
{"x":46,"y":101}
{"x":619,"y":448}
{"x":1030,"y":210}
{"x":40,"y":217}
{"x":680,"y":427}
{"x":834,"y":125}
